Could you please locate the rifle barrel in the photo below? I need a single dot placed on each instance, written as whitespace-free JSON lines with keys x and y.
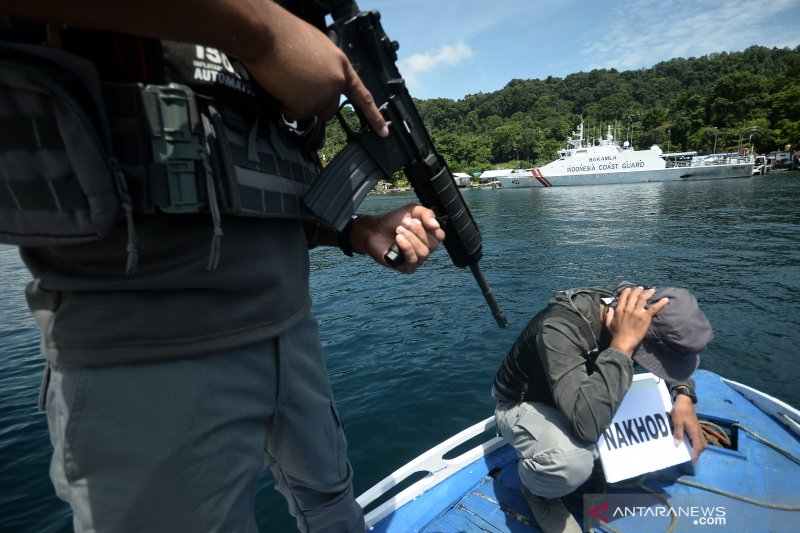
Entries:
{"x":497,"y":312}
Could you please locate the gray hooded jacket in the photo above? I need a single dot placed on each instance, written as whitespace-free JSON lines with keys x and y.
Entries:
{"x":551,"y":362}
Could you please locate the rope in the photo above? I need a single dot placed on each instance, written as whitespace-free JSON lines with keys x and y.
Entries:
{"x":716,"y":435}
{"x":760,"y":503}
{"x":772,"y":445}
{"x":639,"y":483}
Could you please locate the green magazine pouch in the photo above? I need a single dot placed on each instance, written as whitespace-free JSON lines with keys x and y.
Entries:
{"x":58,"y":179}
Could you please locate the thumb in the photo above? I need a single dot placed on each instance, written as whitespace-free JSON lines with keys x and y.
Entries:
{"x":678,"y":434}
{"x":609,"y":316}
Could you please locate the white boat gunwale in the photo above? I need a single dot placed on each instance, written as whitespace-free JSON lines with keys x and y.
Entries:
{"x":433,"y":463}
{"x":779,"y":410}
{"x":438,"y":469}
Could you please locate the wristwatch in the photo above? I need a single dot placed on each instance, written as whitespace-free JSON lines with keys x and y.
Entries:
{"x":683,"y":389}
{"x":344,"y":237}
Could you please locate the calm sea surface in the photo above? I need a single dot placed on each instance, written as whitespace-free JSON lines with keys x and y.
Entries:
{"x":412,"y":357}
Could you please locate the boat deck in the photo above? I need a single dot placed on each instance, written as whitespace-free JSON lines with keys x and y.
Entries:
{"x":741,"y":488}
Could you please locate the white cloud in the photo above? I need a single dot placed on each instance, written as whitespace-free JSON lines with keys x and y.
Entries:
{"x":648,"y":31}
{"x":451,"y":55}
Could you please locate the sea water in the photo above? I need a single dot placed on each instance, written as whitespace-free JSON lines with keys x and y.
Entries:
{"x":412,"y":358}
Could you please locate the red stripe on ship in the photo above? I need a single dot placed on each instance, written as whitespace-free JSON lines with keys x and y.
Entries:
{"x":540,"y":177}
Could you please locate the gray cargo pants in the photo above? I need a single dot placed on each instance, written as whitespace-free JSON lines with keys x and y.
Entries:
{"x":552,"y":462}
{"x":180,"y":446}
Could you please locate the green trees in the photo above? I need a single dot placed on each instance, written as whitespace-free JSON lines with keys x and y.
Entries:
{"x":738,"y":97}
{"x":689,"y":104}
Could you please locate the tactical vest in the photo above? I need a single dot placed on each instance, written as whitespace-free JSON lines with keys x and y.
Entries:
{"x":77,"y":155}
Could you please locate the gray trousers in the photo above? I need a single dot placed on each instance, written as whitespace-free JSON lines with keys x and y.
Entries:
{"x":180,"y":446}
{"x":552,"y":463}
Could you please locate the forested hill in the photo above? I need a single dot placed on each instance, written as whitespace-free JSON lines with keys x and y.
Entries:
{"x":681,"y":104}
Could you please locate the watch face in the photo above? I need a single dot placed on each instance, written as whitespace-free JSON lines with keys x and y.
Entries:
{"x":684,"y":390}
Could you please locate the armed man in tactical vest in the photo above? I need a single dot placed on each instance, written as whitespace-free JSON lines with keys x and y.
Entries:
{"x":155,"y":158}
{"x":565,"y":376}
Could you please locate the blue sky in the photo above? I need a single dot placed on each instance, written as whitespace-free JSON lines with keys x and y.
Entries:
{"x":452,"y":48}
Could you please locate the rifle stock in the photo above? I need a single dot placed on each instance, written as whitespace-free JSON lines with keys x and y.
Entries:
{"x":367,"y":158}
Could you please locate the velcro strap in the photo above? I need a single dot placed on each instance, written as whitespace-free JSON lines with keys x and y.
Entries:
{"x":261,"y":201}
{"x":159,"y":190}
{"x":268,"y":163}
{"x":30,"y":133}
{"x":65,"y":195}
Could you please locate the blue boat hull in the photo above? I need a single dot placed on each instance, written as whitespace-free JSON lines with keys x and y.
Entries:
{"x":749,"y":487}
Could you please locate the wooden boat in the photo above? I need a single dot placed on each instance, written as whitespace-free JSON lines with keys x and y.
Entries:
{"x":748,"y":480}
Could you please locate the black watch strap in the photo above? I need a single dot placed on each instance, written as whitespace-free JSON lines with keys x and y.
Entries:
{"x":344,"y":237}
{"x":683,"y":389}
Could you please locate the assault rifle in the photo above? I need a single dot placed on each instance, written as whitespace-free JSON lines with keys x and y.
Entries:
{"x":367,"y":157}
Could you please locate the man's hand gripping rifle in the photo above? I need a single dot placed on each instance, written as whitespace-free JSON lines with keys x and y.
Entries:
{"x":367,"y":157}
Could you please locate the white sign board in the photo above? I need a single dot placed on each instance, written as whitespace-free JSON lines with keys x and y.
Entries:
{"x":639,"y":439}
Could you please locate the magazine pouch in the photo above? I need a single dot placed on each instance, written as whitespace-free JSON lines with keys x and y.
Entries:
{"x":58,"y":183}
{"x":261,"y":170}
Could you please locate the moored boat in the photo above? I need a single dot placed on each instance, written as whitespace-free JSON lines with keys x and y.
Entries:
{"x":761,"y":165}
{"x":748,"y":480}
{"x":607,"y":162}
{"x":462,"y":180}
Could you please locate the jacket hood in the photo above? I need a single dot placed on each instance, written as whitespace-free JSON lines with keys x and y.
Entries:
{"x":586,"y":302}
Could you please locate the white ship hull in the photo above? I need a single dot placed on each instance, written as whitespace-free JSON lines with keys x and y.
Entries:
{"x":607,"y":163}
{"x":539,"y":177}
